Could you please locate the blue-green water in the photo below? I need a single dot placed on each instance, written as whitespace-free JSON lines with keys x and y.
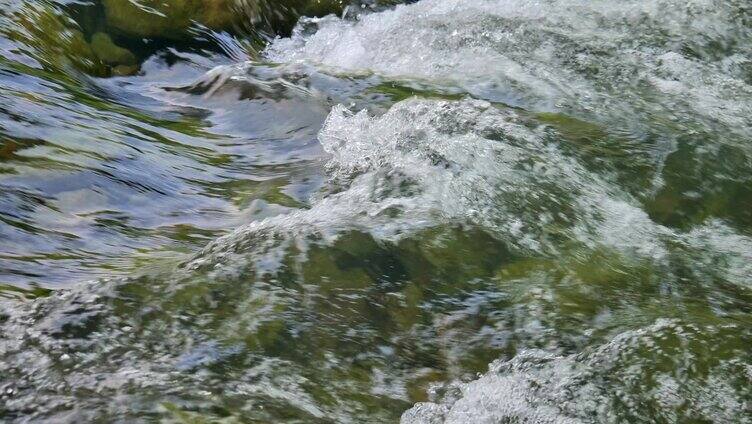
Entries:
{"x":442,"y":211}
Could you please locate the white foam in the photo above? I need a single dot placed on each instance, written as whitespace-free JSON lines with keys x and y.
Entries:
{"x":718,"y":249}
{"x":601,"y":58}
{"x":539,"y":387}
{"x":430,"y":162}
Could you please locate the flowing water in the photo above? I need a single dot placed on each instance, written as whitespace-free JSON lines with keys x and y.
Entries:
{"x":500,"y":211}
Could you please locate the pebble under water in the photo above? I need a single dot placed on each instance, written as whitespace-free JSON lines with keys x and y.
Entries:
{"x":444,"y":211}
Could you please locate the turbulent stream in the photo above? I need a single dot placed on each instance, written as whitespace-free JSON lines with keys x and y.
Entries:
{"x":460,"y":211}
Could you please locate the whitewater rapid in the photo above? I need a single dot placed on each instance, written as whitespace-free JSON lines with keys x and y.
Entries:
{"x":494,"y":174}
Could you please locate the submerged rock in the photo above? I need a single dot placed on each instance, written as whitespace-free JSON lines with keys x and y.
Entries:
{"x":122,"y":61}
{"x":59,"y":42}
{"x":51,"y":38}
{"x":93,"y":37}
{"x":109,"y":52}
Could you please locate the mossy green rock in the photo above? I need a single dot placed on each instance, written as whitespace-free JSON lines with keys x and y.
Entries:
{"x":110,"y":53}
{"x":172,"y":18}
{"x":166,"y":18}
{"x":56,"y":41}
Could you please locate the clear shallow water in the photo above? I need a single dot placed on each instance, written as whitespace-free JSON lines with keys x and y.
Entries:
{"x":354,"y":224}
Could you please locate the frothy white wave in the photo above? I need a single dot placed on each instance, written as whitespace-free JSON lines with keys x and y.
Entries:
{"x":542,"y":388}
{"x":430,"y":162}
{"x":426,"y":163}
{"x":606,"y":59}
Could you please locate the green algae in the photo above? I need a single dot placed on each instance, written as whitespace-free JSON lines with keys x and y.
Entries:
{"x":8,"y":291}
{"x":697,"y":191}
{"x":573,"y":129}
{"x":243,"y":192}
{"x":398,"y":92}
